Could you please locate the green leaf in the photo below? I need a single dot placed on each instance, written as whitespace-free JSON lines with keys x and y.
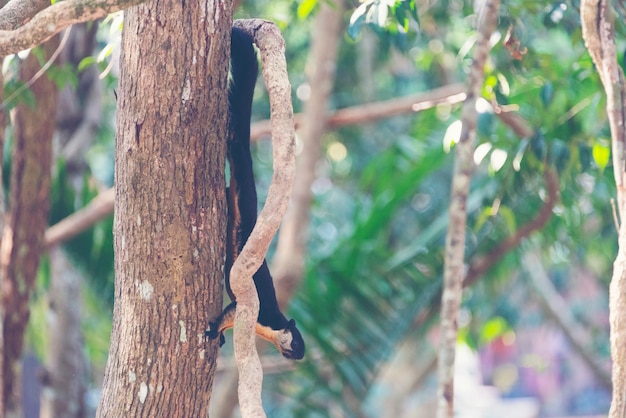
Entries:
{"x":584,"y":155}
{"x":381,"y":15}
{"x":376,"y":14}
{"x":106,"y":51}
{"x":491,"y":81}
{"x":483,"y":216}
{"x":601,"y":155}
{"x":305,"y":8}
{"x":493,"y":329}
{"x":86,"y":62}
{"x":560,"y":154}
{"x":39,"y":54}
{"x":411,"y":6}
{"x":62,"y":76}
{"x":485,"y":124}
{"x":538,"y":146}
{"x":547,"y":92}
{"x":508,"y":216}
{"x":356,"y":21}
{"x":401,"y":17}
{"x":519,"y":154}
{"x":24,"y":94}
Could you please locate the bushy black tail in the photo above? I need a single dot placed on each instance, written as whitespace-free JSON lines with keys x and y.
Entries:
{"x":244,"y":71}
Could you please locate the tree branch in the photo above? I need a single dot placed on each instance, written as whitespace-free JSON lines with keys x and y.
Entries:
{"x":22,"y":240}
{"x":599,"y":34}
{"x":54,"y":19}
{"x":272,"y":47}
{"x":556,"y":307}
{"x":17,"y":12}
{"x":99,"y":208}
{"x":371,"y":112}
{"x":455,"y":238}
{"x":482,"y":264}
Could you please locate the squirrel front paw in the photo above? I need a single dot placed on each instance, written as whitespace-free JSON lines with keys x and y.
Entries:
{"x":213,"y":332}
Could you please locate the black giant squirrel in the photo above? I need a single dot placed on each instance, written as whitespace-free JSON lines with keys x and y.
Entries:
{"x":242,"y":207}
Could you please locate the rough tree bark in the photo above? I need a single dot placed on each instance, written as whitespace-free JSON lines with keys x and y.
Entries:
{"x":17,"y":12}
{"x":170,"y":213}
{"x":455,"y":238}
{"x":22,"y":240}
{"x":599,"y":35}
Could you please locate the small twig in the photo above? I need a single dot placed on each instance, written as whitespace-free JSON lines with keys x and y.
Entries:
{"x":508,"y":115}
{"x":615,"y":218}
{"x":41,"y":71}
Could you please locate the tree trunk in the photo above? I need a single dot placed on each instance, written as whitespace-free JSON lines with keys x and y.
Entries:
{"x":170,"y":214}
{"x":288,"y":262}
{"x":80,"y":112}
{"x":64,"y":381}
{"x":598,"y":31}
{"x":82,"y":106}
{"x":22,"y":241}
{"x":455,"y":238}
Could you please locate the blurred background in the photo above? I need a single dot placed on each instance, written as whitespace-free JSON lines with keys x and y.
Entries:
{"x":379,"y":86}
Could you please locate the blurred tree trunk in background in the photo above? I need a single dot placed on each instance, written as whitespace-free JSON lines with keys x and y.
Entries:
{"x":65,"y":373}
{"x":81,"y":107}
{"x":597,"y":17}
{"x":78,"y":119}
{"x":170,"y":213}
{"x":288,"y":263}
{"x":405,"y":374}
{"x":22,"y":241}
